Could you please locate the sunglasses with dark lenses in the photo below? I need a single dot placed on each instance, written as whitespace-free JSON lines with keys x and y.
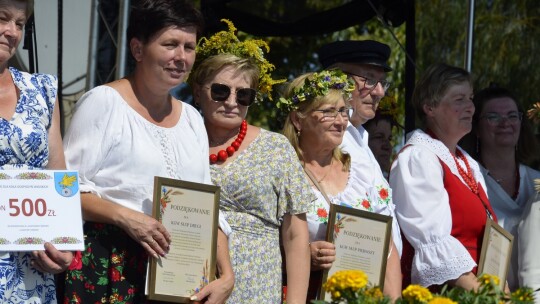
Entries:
{"x":221,"y":92}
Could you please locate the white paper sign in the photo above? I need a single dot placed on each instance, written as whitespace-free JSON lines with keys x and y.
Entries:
{"x":40,"y":206}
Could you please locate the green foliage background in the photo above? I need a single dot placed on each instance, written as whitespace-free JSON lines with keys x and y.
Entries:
{"x":506,"y":44}
{"x":506,"y":41}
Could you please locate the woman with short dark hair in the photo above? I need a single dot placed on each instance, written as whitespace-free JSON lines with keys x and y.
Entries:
{"x":122,"y":135}
{"x":503,"y":142}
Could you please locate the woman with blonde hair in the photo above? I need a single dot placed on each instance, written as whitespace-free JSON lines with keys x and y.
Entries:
{"x":264,"y":195}
{"x":318,"y":117}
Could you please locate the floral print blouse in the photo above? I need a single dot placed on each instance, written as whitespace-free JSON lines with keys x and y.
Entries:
{"x":357,"y":194}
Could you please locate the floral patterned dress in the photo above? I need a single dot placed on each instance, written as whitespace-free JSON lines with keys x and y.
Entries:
{"x":24,"y":145}
{"x":258,"y":188}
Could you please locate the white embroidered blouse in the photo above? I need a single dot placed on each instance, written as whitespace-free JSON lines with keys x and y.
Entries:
{"x":423,"y":209}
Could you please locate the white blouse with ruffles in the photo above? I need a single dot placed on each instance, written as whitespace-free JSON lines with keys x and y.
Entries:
{"x":423,"y":209}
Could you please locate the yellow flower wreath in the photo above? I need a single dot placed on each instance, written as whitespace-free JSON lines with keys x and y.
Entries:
{"x":227,"y":42}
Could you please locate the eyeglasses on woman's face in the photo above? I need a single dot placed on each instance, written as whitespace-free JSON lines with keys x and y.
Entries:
{"x":244,"y":96}
{"x":370,"y":83}
{"x":333,"y":113}
{"x":495,"y":119}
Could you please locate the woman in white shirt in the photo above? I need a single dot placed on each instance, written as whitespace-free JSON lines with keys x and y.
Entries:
{"x":502,"y":142}
{"x":122,"y":135}
{"x":438,"y":189}
{"x":529,"y":246}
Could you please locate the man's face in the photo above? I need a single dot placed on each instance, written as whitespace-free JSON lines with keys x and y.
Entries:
{"x":365,"y":100}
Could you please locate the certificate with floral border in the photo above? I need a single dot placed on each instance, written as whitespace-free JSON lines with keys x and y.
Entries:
{"x":362,"y":243}
{"x":38,"y":206}
{"x":496,"y":251}
{"x":189,"y":212}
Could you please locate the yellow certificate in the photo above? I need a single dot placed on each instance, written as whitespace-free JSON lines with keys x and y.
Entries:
{"x":362,"y":240}
{"x":496,"y":252}
{"x":189,"y":212}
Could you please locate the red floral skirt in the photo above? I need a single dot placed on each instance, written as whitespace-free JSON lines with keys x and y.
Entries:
{"x":111,"y":269}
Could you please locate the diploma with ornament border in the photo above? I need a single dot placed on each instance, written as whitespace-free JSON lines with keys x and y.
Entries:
{"x":496,"y":251}
{"x":362,"y":241}
{"x":189,"y":211}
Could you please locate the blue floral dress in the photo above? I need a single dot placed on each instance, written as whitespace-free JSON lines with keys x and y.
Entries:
{"x":24,"y":145}
{"x":258,"y":188}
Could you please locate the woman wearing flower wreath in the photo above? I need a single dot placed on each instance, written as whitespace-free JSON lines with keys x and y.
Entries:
{"x":502,"y":142}
{"x":122,"y":135}
{"x":263,"y":189}
{"x":29,"y":139}
{"x":441,"y":204}
{"x":318,"y":117}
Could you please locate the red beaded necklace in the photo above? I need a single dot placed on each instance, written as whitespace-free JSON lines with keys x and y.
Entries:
{"x":222,"y":155}
{"x":468,"y":176}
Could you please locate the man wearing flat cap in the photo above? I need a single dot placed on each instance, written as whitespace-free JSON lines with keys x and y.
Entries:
{"x":366,"y":63}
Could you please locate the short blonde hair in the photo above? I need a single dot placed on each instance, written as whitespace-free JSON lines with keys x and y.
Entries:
{"x":433,"y":84}
{"x":213,"y":65}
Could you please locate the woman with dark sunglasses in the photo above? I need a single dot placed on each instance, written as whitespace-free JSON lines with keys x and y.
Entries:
{"x":122,"y":135}
{"x":263,"y":190}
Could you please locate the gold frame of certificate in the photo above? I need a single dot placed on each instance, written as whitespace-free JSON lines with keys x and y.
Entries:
{"x":189,"y":211}
{"x":362,"y":242}
{"x":496,"y":251}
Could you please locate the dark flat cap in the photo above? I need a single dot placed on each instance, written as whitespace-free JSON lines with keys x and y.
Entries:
{"x":355,"y":51}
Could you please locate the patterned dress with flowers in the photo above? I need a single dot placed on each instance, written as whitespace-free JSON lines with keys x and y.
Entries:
{"x":258,"y":188}
{"x":24,"y":145}
{"x":357,"y":194}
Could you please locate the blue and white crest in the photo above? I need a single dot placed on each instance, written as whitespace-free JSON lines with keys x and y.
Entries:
{"x":66,"y":183}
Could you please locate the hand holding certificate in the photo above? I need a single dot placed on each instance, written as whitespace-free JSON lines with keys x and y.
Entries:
{"x":38,"y":207}
{"x":189,"y":211}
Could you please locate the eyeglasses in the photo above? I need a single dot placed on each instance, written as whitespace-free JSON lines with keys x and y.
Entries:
{"x":370,"y":83}
{"x":333,"y":113}
{"x":496,"y":118}
{"x":221,"y":92}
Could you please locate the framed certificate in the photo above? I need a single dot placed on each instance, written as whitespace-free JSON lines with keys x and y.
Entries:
{"x":38,"y":206}
{"x":189,"y":212}
{"x":496,"y":252}
{"x":362,"y":241}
